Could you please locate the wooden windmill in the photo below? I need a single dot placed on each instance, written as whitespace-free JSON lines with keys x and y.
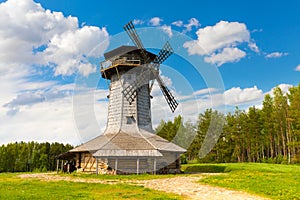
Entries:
{"x":129,"y":144}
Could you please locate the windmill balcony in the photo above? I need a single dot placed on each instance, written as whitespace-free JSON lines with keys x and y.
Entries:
{"x":121,"y":61}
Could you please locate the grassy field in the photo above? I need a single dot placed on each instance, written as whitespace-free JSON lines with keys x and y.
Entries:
{"x":12,"y":187}
{"x":119,"y":177}
{"x":269,"y":180}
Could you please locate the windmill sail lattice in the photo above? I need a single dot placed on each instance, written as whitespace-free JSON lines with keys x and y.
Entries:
{"x":149,"y":70}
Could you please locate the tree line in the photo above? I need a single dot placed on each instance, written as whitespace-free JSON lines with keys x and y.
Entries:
{"x":269,"y":134}
{"x":30,"y":156}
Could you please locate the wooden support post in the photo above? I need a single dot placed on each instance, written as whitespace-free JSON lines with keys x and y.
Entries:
{"x":68,"y":168}
{"x":62,"y":166}
{"x":57,"y":165}
{"x":97,"y":165}
{"x":137,"y":165}
{"x":154,"y":166}
{"x":116,"y":165}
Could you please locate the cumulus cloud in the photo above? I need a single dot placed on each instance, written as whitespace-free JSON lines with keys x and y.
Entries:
{"x":178,"y":23}
{"x":29,"y":98}
{"x":220,"y":39}
{"x":167,"y":30}
{"x":54,"y":111}
{"x":276,"y":55}
{"x":35,"y":45}
{"x":236,"y":95}
{"x":193,"y":22}
{"x":32,"y":35}
{"x":138,"y":22}
{"x":68,"y":51}
{"x":298,"y":68}
{"x":225,"y":56}
{"x":284,"y":88}
{"x":155,"y":21}
{"x":223,"y":34}
{"x":253,"y":47}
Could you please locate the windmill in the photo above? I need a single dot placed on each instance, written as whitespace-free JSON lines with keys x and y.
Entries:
{"x":152,"y":68}
{"x":129,"y":143}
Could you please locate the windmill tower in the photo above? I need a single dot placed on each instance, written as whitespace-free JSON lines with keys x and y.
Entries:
{"x":129,"y":144}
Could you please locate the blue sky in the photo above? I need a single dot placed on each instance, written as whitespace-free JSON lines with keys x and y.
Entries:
{"x":48,"y":48}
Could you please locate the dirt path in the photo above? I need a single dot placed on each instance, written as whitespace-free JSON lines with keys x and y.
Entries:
{"x":189,"y":187}
{"x":186,"y":186}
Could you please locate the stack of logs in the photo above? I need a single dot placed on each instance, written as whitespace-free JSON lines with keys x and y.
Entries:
{"x":103,"y":168}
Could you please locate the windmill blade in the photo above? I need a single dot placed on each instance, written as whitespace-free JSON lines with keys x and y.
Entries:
{"x":130,"y":30}
{"x":167,"y":94}
{"x":130,"y":92}
{"x":163,"y":54}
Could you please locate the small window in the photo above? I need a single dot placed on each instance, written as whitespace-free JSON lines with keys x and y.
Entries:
{"x":130,"y":119}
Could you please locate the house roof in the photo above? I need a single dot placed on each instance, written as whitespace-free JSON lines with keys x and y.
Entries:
{"x":119,"y":51}
{"x":123,"y":50}
{"x":119,"y":144}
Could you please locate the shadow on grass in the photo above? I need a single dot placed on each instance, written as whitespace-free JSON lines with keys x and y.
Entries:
{"x":204,"y":169}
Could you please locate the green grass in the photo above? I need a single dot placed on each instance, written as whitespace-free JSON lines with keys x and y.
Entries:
{"x":118,"y":177}
{"x":12,"y":187}
{"x":269,"y":180}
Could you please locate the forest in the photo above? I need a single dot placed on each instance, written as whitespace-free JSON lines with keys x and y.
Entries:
{"x":270,"y":134}
{"x":30,"y":156}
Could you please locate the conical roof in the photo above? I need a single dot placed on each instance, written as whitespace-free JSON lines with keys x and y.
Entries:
{"x":141,"y":143}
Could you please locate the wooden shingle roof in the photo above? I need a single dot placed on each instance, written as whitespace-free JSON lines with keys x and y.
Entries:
{"x":119,"y":144}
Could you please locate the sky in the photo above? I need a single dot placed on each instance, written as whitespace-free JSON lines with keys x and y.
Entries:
{"x":226,"y":54}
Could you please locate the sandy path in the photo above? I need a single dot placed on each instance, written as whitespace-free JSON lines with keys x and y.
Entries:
{"x":186,"y":186}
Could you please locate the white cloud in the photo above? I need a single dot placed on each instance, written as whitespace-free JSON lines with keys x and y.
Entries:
{"x":29,"y":98}
{"x":253,"y":47}
{"x":257,"y":30}
{"x":298,"y":68}
{"x":223,"y":34}
{"x":225,"y":56}
{"x":138,"y":22}
{"x":205,"y":91}
{"x":236,"y":95}
{"x":32,"y":35}
{"x":37,"y":108}
{"x":221,"y":40}
{"x":193,"y":22}
{"x":276,"y":55}
{"x":284,"y":88}
{"x":69,"y":50}
{"x":52,"y":119}
{"x":167,"y":30}
{"x":178,"y":23}
{"x":155,"y":21}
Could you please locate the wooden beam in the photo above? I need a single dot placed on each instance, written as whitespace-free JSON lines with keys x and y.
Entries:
{"x":86,"y":163}
{"x":57,"y":165}
{"x":62,"y":166}
{"x":97,"y":165}
{"x":137,"y":165}
{"x":68,"y":167}
{"x":93,"y":162}
{"x":116,"y":165}
{"x":154,"y":166}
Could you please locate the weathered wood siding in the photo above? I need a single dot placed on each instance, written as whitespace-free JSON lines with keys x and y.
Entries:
{"x":144,"y":107}
{"x":123,"y":114}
